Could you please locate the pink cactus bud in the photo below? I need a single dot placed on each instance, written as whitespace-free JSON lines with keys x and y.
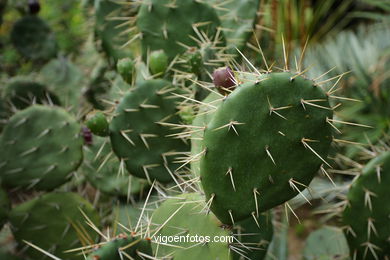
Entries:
{"x":223,"y":77}
{"x":87,"y":135}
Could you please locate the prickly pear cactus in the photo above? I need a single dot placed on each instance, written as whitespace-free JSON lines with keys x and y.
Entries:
{"x":326,"y":243}
{"x":169,"y":25}
{"x":33,"y":38}
{"x":125,"y":68}
{"x":109,"y":32}
{"x":20,"y":94}
{"x":54,"y":222}
{"x":237,"y":18}
{"x":104,"y":171}
{"x":256,"y":235}
{"x":4,"y":207}
{"x":66,"y":80}
{"x":138,"y":131}
{"x":158,"y":62}
{"x":123,"y":247}
{"x":262,"y":146}
{"x":366,"y":215}
{"x":203,"y":117}
{"x":184,"y":215}
{"x":40,"y":148}
{"x":97,"y":123}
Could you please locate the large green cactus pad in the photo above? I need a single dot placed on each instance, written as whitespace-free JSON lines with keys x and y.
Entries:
{"x":367,"y":212}
{"x":40,"y":147}
{"x":264,"y":143}
{"x":166,"y":23}
{"x":138,"y":136}
{"x":55,"y":223}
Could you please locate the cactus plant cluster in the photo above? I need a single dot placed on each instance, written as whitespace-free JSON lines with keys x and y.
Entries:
{"x":170,"y":137}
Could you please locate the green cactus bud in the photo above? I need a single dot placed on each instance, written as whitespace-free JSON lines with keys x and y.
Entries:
{"x":125,"y":68}
{"x":97,"y":123}
{"x":158,"y":62}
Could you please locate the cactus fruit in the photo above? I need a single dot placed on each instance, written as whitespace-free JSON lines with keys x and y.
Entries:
{"x":255,"y":235}
{"x":33,"y":38}
{"x":34,"y":6}
{"x":262,"y":147}
{"x":87,"y":135}
{"x":158,"y":62}
{"x":138,"y":131}
{"x":20,"y":94}
{"x":55,"y":223}
{"x":4,"y":207}
{"x":182,"y":216}
{"x":40,"y":148}
{"x":104,"y":171}
{"x":171,"y":25}
{"x":223,"y":79}
{"x":125,"y":68}
{"x":123,"y":247}
{"x":326,"y":243}
{"x":366,"y":215}
{"x":97,"y":123}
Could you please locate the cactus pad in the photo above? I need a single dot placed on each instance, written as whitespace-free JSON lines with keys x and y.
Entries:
{"x":326,"y":243}
{"x":22,"y":93}
{"x":33,"y":38}
{"x":105,"y":173}
{"x":266,"y":140}
{"x":40,"y":147}
{"x":138,"y":134}
{"x":367,"y":214}
{"x":130,"y":246}
{"x":256,"y":235}
{"x":166,"y":23}
{"x":54,"y":223}
{"x":182,"y":216}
